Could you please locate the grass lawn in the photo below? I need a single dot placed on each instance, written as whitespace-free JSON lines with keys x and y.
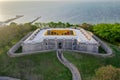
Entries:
{"x":43,"y":66}
{"x":87,"y":64}
{"x":46,"y":66}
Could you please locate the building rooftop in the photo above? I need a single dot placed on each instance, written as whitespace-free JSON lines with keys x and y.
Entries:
{"x":80,"y":35}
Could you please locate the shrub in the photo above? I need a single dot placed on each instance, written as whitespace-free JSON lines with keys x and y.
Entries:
{"x":107,"y":73}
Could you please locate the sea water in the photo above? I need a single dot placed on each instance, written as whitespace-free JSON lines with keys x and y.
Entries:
{"x":73,"y":12}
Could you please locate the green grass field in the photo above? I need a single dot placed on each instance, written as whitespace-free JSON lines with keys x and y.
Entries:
{"x":43,"y":66}
{"x":88,"y":64}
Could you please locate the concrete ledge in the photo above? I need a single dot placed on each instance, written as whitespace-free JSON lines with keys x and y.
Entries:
{"x":95,"y":54}
{"x":28,"y":53}
{"x":11,"y":52}
{"x":105,"y":47}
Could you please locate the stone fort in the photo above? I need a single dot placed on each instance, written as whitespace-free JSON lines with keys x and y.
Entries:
{"x":60,"y":38}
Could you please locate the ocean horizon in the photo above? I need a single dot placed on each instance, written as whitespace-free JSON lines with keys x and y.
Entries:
{"x":73,"y":12}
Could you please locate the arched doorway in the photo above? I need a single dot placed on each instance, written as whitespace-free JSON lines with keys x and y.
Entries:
{"x":60,"y":45}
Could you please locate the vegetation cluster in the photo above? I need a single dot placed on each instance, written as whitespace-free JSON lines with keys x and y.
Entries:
{"x":13,"y":32}
{"x":106,"y":31}
{"x":47,"y":67}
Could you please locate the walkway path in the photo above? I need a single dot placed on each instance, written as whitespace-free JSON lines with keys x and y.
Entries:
{"x":7,"y":78}
{"x":70,"y":66}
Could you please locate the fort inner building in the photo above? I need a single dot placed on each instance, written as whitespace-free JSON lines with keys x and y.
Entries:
{"x":60,"y":38}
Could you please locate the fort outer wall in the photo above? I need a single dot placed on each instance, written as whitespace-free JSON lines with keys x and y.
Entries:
{"x":12,"y":53}
{"x":66,"y":44}
{"x":107,"y":49}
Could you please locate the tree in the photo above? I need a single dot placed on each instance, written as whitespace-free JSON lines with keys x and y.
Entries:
{"x":68,"y":25}
{"x":86,"y":26}
{"x":109,"y":32}
{"x":107,"y":73}
{"x":9,"y":33}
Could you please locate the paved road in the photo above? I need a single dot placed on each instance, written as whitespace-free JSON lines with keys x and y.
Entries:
{"x":70,"y":66}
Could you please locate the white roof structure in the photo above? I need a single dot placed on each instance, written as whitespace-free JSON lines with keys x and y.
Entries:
{"x":81,"y":36}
